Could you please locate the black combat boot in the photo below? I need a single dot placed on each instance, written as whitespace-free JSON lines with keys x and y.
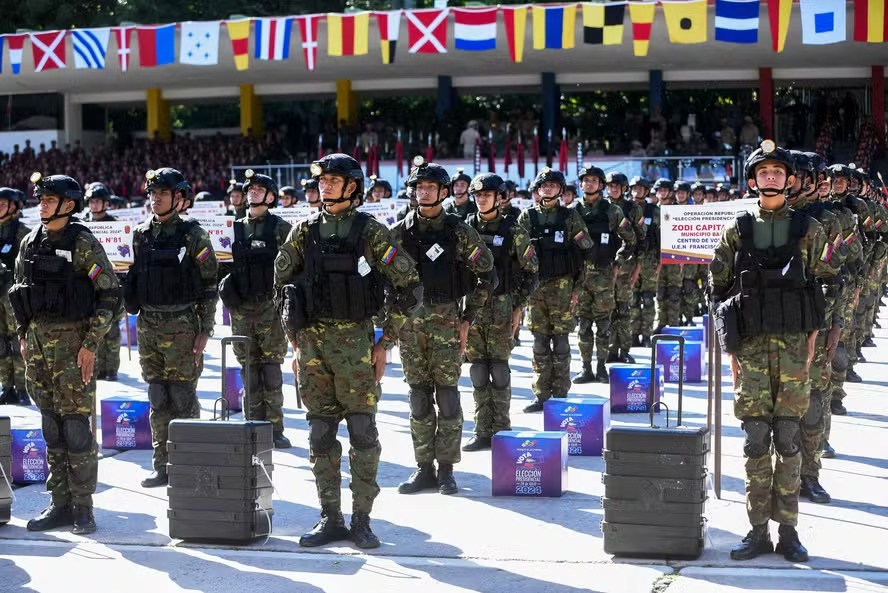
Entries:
{"x":156,"y":478}
{"x":756,"y":543}
{"x":877,"y":325}
{"x":852,"y":377}
{"x":612,"y":357}
{"x":52,"y":516}
{"x":9,"y":397}
{"x":646,"y":342}
{"x":587,"y":376}
{"x":111,"y":376}
{"x":535,"y":406}
{"x":476,"y":443}
{"x":23,"y":398}
{"x":446,"y":481}
{"x":625,"y":357}
{"x":860,"y":356}
{"x":868,"y":343}
{"x":789,"y":544}
{"x":423,"y":478}
{"x":636,"y":342}
{"x":811,"y":488}
{"x":360,"y":532}
{"x":837,"y":407}
{"x":603,"y":377}
{"x":828,"y":451}
{"x":331,"y":528}
{"x":84,"y":522}
{"x":280,"y":441}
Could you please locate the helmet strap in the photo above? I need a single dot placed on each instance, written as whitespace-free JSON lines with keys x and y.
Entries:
{"x":57,"y":214}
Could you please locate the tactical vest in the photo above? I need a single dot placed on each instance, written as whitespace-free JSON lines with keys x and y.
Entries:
{"x":445,"y":279}
{"x":253,"y":270}
{"x":9,"y":247}
{"x":500,"y":244}
{"x":343,"y":284}
{"x":652,"y":237}
{"x":603,"y":253}
{"x":777,"y":293}
{"x":53,"y":289}
{"x":164,"y":273}
{"x":555,"y":248}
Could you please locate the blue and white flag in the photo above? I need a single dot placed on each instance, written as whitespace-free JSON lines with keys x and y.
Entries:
{"x":272,"y":38}
{"x":90,"y":46}
{"x":737,"y":21}
{"x":823,"y":21}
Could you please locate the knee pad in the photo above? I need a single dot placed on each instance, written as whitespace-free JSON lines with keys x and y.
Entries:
{"x":479,"y":372}
{"x":647,"y":299}
{"x":158,"y":397}
{"x":542,"y":344}
{"x":447,"y":397}
{"x":603,"y":325}
{"x":255,"y":382}
{"x":584,"y":328}
{"x":758,"y":437}
{"x":813,"y":418}
{"x":622,"y":310}
{"x":787,"y":436}
{"x":840,"y":359}
{"x":561,"y":345}
{"x":636,"y":299}
{"x":420,"y":399}
{"x":5,"y":346}
{"x":272,"y":376}
{"x":689,"y":286}
{"x":52,"y":429}
{"x":501,"y":375}
{"x":362,"y":432}
{"x":322,"y":434}
{"x":673,"y":293}
{"x":78,"y":435}
{"x":182,"y":396}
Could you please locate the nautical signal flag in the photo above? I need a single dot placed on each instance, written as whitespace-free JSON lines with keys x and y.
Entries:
{"x":515,"y":22}
{"x":779,"y":13}
{"x":48,"y":50}
{"x":156,"y":45}
{"x":553,"y":26}
{"x":348,"y":34}
{"x":823,"y":21}
{"x":90,"y":47}
{"x":871,"y":21}
{"x":427,"y":31}
{"x":199,"y":43}
{"x":737,"y":21}
{"x":603,"y":23}
{"x":16,"y":44}
{"x":239,"y":32}
{"x":642,"y":16}
{"x":685,"y":21}
{"x":124,"y":46}
{"x":272,"y":38}
{"x":389,"y":23}
{"x":474,"y":29}
{"x":308,"y":29}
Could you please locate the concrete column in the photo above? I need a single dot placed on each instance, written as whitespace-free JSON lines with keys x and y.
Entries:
{"x":73,"y":127}
{"x":766,"y":102}
{"x":158,"y":120}
{"x":251,"y":120}
{"x":551,"y":110}
{"x":446,"y":96}
{"x":346,"y":102}
{"x":878,"y":104}
{"x":657,"y":91}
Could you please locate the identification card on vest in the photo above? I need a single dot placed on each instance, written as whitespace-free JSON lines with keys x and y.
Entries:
{"x":497,"y":241}
{"x":434,"y":252}
{"x":6,"y":248}
{"x":181,"y":254}
{"x":254,"y":244}
{"x":63,"y":253}
{"x":559,"y":236}
{"x":605,"y":238}
{"x":647,"y":221}
{"x":363,"y":266}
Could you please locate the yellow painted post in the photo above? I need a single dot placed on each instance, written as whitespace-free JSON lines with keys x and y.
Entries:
{"x":158,"y":119}
{"x":346,"y":102}
{"x":250,"y":111}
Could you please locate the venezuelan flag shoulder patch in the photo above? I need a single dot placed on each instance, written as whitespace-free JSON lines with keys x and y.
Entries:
{"x":476,"y":252}
{"x":580,"y":236}
{"x":528,"y":252}
{"x":826,"y":254}
{"x":389,"y":255}
{"x":203,"y":254}
{"x":625,"y":224}
{"x":94,"y":271}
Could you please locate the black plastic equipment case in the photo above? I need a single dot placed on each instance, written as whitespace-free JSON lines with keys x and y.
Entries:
{"x":6,"y":464}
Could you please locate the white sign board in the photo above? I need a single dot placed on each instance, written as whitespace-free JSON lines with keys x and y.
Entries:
{"x":117,"y":240}
{"x":689,"y":234}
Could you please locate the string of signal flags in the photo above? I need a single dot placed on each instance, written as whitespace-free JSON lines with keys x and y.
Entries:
{"x":553,"y":27}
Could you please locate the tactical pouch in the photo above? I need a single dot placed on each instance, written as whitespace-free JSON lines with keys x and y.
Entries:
{"x":727,"y":325}
{"x":130,"y":293}
{"x":229,"y":294}
{"x":18,"y":299}
{"x":294,"y":304}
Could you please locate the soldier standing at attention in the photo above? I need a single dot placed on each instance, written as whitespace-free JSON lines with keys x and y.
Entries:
{"x":12,"y":368}
{"x":453,"y":263}
{"x":64,"y":300}
{"x":311,"y":192}
{"x":644,"y":312}
{"x":329,"y":279}
{"x":171,"y":285}
{"x":460,"y":204}
{"x":490,"y":337}
{"x":669,"y":281}
{"x":236,"y":200}
{"x":248,"y":292}
{"x":770,"y":310}
{"x":288,"y":196}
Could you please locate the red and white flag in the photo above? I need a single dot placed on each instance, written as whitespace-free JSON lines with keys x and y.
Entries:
{"x":16,"y":43}
{"x":308,"y":29}
{"x":48,"y":50}
{"x":427,"y":31}
{"x":124,"y":47}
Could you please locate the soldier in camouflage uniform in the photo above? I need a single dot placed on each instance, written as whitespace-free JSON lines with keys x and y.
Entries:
{"x":171,"y":285}
{"x":311,"y":192}
{"x":595,"y":302}
{"x":562,"y":244}
{"x":690,"y":273}
{"x":12,"y":368}
{"x":643,"y":310}
{"x":410,"y":195}
{"x":329,"y":278}
{"x":489,"y":343}
{"x":237,"y":201}
{"x":288,"y":196}
{"x":670,"y":278}
{"x":762,"y":276}
{"x":506,"y":207}
{"x":460,"y":203}
{"x":869,"y":293}
{"x":453,"y":263}
{"x":64,"y":300}
{"x":248,"y":292}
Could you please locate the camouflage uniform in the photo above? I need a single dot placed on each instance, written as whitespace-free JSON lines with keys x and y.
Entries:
{"x":669,"y":284}
{"x":550,"y":318}
{"x":644,"y":310}
{"x":12,"y":368}
{"x":462,"y":210}
{"x":166,"y":334}
{"x":621,"y":338}
{"x":430,"y":339}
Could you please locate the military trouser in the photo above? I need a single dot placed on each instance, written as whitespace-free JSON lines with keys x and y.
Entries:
{"x":595,"y":305}
{"x":550,"y":320}
{"x":12,"y":367}
{"x":669,"y":284}
{"x":338,"y":382}
{"x":836,"y":386}
{"x":488,"y":349}
{"x":166,"y":354}
{"x":108,"y":353}
{"x":65,"y":404}
{"x":773,"y":396}
{"x":268,"y":347}
{"x":432,"y":365}
{"x":643,"y":310}
{"x":814,"y":422}
{"x":621,"y":337}
{"x":690,"y":292}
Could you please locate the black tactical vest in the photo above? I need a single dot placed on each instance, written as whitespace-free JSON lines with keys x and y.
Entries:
{"x":343,"y":284}
{"x":164,"y":274}
{"x":500,"y":244}
{"x":598,"y":223}
{"x":555,"y":248}
{"x":253,"y":270}
{"x":444,"y":278}
{"x":53,"y":289}
{"x":777,"y":294}
{"x":9,"y":247}
{"x":652,"y":237}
